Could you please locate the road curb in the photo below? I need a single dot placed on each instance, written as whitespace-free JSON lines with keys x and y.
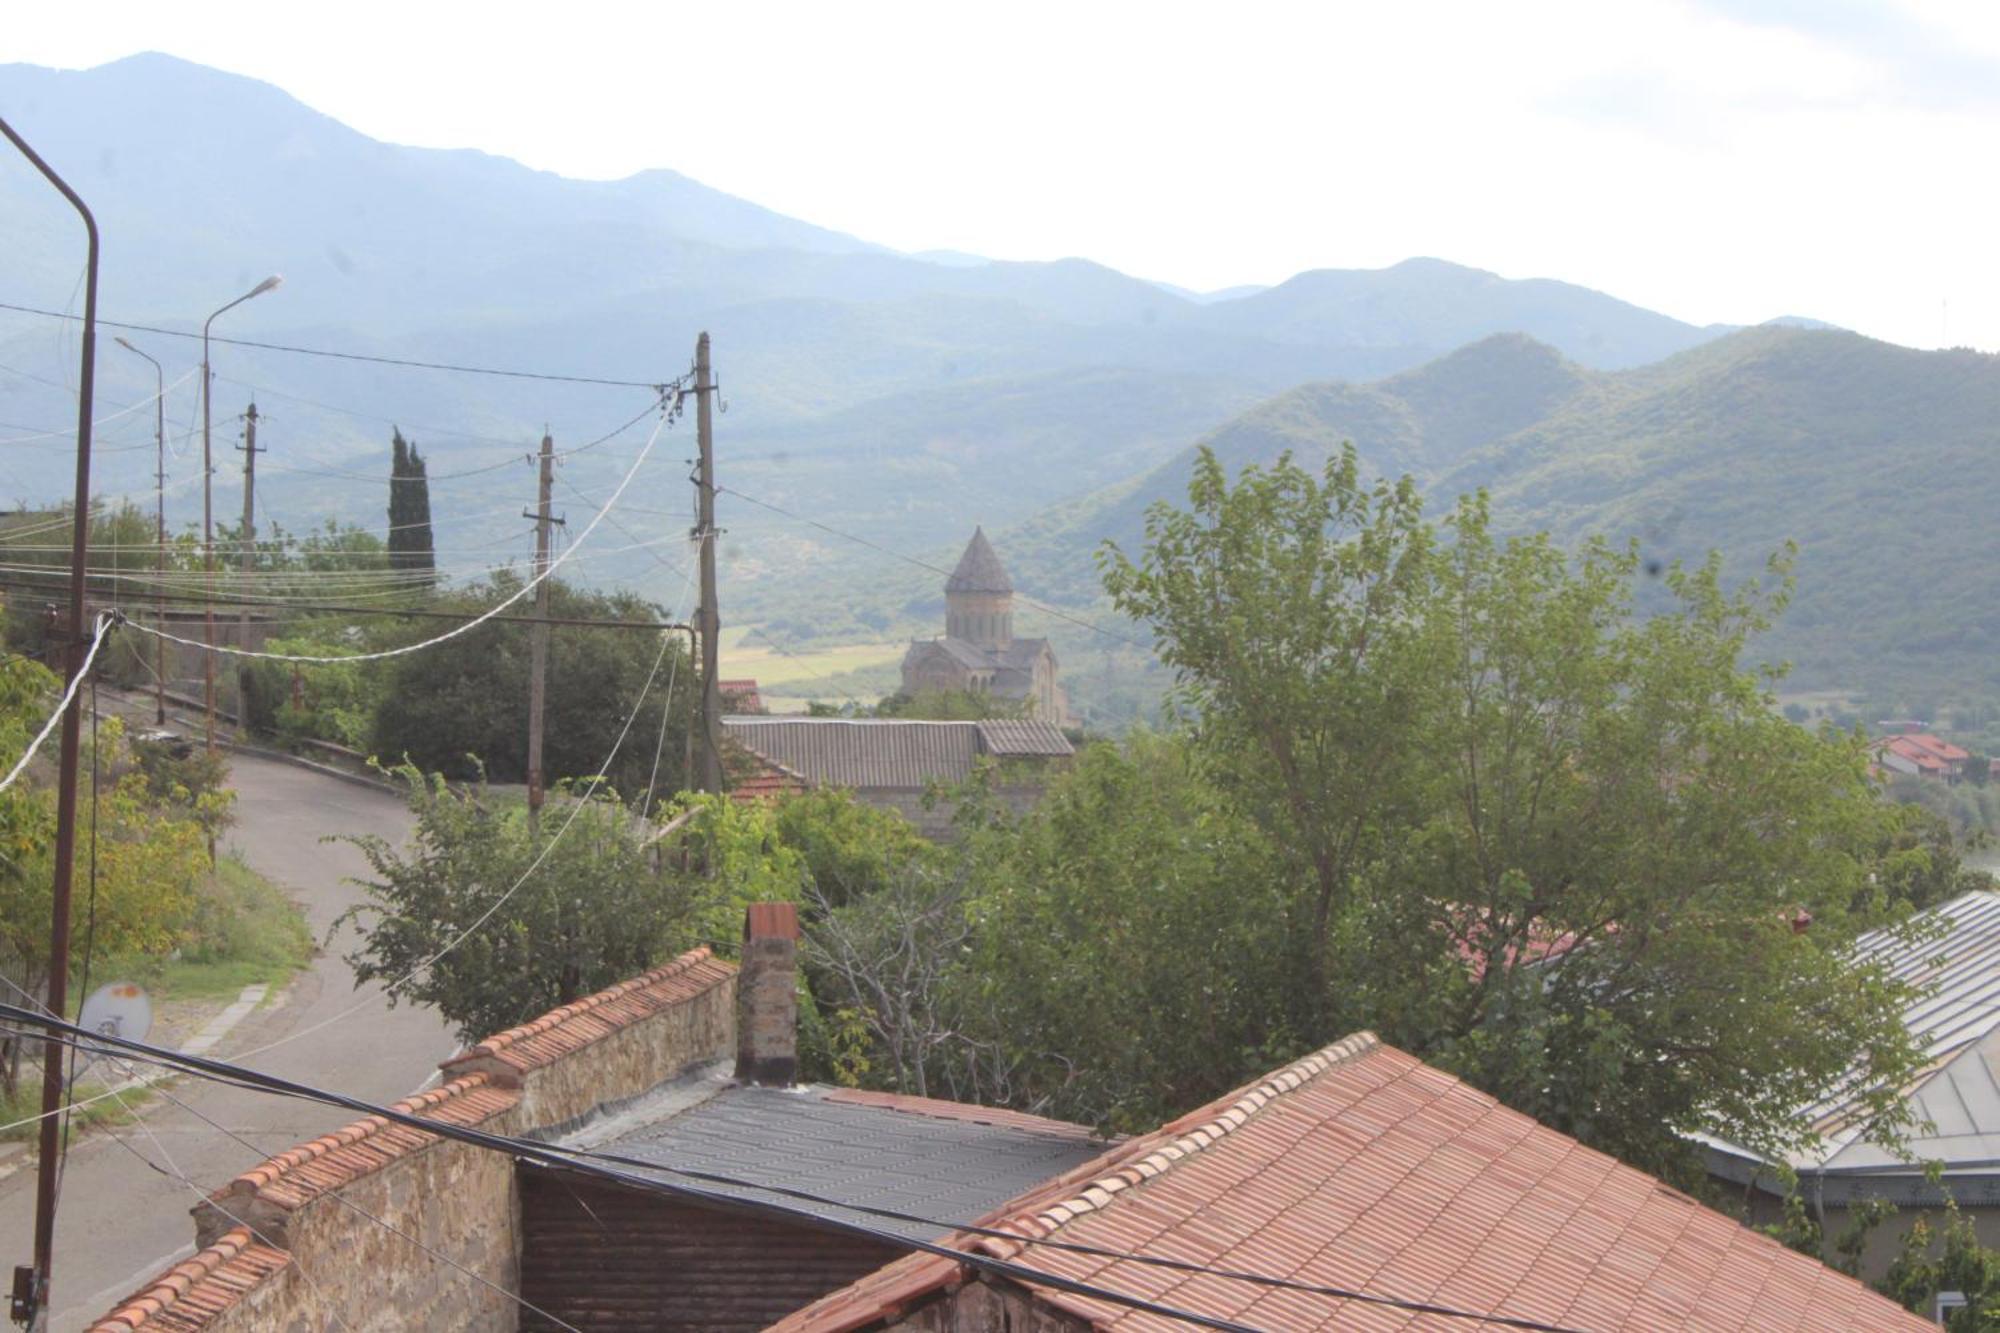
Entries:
{"x":311,"y":765}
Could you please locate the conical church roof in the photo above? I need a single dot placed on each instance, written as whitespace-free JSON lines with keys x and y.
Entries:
{"x":979,"y":569}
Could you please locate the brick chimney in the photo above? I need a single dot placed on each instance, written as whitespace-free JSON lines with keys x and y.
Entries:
{"x":767,"y":1003}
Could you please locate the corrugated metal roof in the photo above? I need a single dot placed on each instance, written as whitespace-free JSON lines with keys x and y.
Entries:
{"x":1959,"y":972}
{"x":948,"y":1169}
{"x":1025,"y":736}
{"x":889,"y":752}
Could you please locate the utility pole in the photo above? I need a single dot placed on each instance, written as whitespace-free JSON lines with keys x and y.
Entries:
{"x":538,"y":635}
{"x":709,"y":620}
{"x":31,"y":1284}
{"x":162,"y":649}
{"x":248,"y":561}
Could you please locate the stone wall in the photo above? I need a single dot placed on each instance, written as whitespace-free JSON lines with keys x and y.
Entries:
{"x":312,"y":1233}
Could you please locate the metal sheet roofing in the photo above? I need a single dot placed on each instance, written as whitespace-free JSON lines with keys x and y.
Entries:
{"x":1362,"y":1168}
{"x":927,"y":1158}
{"x":889,"y":752}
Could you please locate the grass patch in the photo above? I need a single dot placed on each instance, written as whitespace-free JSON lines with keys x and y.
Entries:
{"x":27,"y":1103}
{"x":805,"y":667}
{"x":244,"y":931}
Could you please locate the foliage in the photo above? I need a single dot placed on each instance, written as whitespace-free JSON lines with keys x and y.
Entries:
{"x":461,"y":707}
{"x":468,"y":921}
{"x":1947,"y":1256}
{"x":1281,"y":604}
{"x":409,"y":508}
{"x":952,"y":706}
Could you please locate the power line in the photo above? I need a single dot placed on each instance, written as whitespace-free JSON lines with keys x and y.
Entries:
{"x":925,"y":564}
{"x":362,"y":356}
{"x":527,"y":587}
{"x":70,"y":432}
{"x":606,"y":1165}
{"x":68,"y":698}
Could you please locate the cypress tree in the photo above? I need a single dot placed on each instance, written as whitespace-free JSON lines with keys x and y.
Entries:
{"x":409,"y":508}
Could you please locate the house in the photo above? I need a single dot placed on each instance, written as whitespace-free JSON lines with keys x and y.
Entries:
{"x":979,"y":653}
{"x":892,"y":763}
{"x":741,"y":696}
{"x":1356,"y":1187}
{"x":1954,"y":1102}
{"x":1920,"y":754}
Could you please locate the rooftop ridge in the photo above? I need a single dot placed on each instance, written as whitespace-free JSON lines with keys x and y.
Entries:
{"x":1209,"y":1127}
{"x":300,"y":1174}
{"x":206,"y":1284}
{"x":698,"y":964}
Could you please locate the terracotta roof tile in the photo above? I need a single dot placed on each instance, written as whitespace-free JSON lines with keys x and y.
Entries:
{"x":563,"y":1031}
{"x":191,"y":1293}
{"x":1360,"y":1167}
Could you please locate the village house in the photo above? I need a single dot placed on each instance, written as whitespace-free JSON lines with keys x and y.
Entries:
{"x":893,"y":763}
{"x":1920,"y":754}
{"x":1356,"y":1187}
{"x":1954,"y":1104}
{"x":979,"y":653}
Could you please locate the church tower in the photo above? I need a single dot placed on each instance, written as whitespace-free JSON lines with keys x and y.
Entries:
{"x":978,"y":598}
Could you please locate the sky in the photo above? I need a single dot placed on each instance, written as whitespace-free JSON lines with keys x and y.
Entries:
{"x":1717,"y":160}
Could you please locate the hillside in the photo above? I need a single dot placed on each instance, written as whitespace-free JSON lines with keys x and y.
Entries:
{"x":204,"y":182}
{"x":1877,"y":460}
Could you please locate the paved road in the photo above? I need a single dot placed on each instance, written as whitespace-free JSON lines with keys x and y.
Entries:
{"x":119,"y":1221}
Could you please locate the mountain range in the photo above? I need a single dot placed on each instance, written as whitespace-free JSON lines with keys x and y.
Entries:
{"x":901,"y":398}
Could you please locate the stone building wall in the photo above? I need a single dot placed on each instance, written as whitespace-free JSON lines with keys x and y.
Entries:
{"x":306,"y":1236}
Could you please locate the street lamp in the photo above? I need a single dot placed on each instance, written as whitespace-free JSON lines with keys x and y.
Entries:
{"x":160,"y":511}
{"x":208,"y":514}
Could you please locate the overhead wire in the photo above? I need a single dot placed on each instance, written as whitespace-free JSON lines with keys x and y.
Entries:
{"x":526,"y":587}
{"x":368,"y":358}
{"x":70,"y":431}
{"x":103,"y":628}
{"x":624,"y":1170}
{"x":924,"y":564}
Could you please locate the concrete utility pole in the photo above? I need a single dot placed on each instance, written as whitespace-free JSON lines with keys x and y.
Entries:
{"x":709,"y":620}
{"x":538,"y":635}
{"x":208,"y":524}
{"x":162,"y":649}
{"x":31,"y":1284}
{"x":248,"y":562}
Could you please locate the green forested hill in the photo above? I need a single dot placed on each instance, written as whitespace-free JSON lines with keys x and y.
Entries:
{"x":1882,"y":463}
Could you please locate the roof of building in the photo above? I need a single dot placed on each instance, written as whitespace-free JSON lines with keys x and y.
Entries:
{"x":889,"y":752}
{"x":1362,"y":1168}
{"x":979,"y":569}
{"x":1940,"y":747}
{"x":943,"y":1163}
{"x":1955,"y":957}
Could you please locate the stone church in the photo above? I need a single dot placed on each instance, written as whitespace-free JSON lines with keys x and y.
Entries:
{"x":979,"y":652}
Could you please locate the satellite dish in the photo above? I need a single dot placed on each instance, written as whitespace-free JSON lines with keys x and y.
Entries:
{"x":120,"y":1009}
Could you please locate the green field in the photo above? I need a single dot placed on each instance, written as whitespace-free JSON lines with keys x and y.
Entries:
{"x":788,"y":680}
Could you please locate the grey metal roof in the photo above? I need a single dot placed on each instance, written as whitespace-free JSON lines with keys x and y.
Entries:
{"x":1956,"y":962}
{"x":947,"y":1171}
{"x":889,"y":752}
{"x":979,"y":569}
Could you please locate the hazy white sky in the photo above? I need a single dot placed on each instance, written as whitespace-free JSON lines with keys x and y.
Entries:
{"x":1719,"y":160}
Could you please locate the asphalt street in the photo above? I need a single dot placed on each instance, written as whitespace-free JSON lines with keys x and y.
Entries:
{"x":121,"y":1220}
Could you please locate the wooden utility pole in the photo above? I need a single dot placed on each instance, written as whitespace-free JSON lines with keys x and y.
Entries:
{"x":31,"y":1284}
{"x":248,"y":561}
{"x":538,"y":635}
{"x":709,"y":621}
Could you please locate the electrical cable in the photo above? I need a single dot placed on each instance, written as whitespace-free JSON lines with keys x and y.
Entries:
{"x":605,"y":1165}
{"x":351,"y":356}
{"x":68,"y":697}
{"x":126,"y":411}
{"x":527,"y":587}
{"x":925,"y":564}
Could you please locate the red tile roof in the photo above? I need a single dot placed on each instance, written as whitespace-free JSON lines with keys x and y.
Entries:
{"x":1361,"y":1167}
{"x":1940,"y":747}
{"x":191,"y":1293}
{"x":562,"y":1031}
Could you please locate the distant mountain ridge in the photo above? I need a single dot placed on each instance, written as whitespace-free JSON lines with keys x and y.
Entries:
{"x":1877,"y":460}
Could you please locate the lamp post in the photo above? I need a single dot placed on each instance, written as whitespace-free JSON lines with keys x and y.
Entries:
{"x":160,"y":520}
{"x":208,"y":515}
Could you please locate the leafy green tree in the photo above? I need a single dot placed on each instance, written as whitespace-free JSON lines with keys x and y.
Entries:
{"x":1284,"y":605}
{"x":409,"y":508}
{"x":597,"y":912}
{"x":461,"y":708}
{"x":951,"y":706}
{"x":1562,"y":849}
